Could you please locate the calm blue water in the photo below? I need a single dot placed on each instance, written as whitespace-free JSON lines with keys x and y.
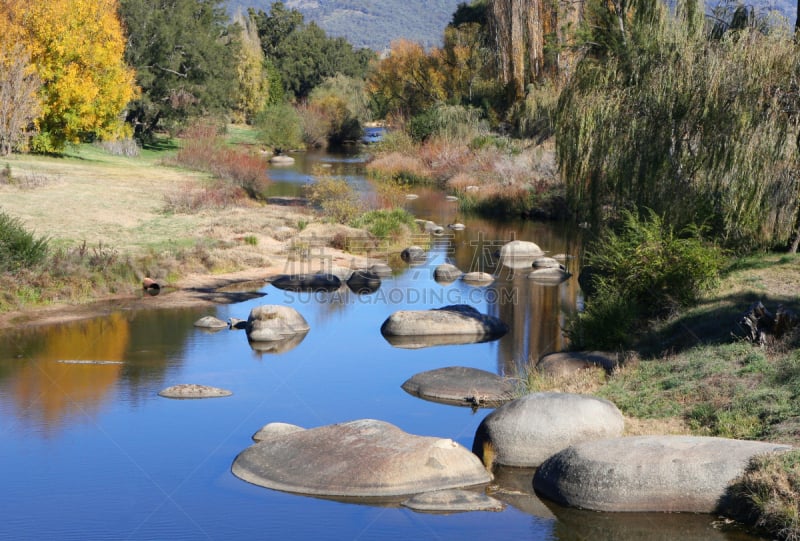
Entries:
{"x":91,"y":452}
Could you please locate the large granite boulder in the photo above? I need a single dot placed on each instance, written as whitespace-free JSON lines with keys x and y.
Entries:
{"x":364,"y":458}
{"x":648,"y":473}
{"x":527,"y":431}
{"x":461,"y":386}
{"x":455,"y":324}
{"x":307,"y":282}
{"x":274,"y":322}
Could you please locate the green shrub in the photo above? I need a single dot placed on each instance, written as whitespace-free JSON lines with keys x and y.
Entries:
{"x":644,"y":271}
{"x":450,"y":122}
{"x":19,"y":248}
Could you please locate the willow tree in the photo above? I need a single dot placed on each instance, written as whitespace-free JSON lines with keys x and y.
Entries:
{"x":702,"y":130}
{"x":530,"y":38}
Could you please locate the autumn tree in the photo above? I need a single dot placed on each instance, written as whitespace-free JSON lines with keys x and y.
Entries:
{"x":407,"y":81}
{"x":76,"y":47}
{"x":19,"y":86}
{"x":184,"y":53}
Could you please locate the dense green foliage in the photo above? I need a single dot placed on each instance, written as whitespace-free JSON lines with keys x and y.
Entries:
{"x":646,"y":270}
{"x":303,"y":53}
{"x":661,"y":115}
{"x":184,"y":54}
{"x":280,"y":127}
{"x":19,"y":248}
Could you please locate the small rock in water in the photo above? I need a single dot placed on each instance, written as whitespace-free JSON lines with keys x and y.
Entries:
{"x":193,"y":390}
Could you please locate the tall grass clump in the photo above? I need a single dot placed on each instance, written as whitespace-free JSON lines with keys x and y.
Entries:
{"x":644,"y":271}
{"x":768,"y":494}
{"x":204,"y":150}
{"x":19,"y":248}
{"x":387,"y":224}
{"x":449,"y":122}
{"x":661,"y":113}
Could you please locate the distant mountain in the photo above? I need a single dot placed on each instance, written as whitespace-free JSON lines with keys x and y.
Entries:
{"x":376,"y":23}
{"x":371,"y":23}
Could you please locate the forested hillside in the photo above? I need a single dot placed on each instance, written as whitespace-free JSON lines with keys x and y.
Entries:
{"x":371,"y":23}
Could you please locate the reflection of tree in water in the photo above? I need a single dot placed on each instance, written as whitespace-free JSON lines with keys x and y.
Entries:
{"x":50,"y":391}
{"x":137,"y":351}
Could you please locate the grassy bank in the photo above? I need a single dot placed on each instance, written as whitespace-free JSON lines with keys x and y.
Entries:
{"x":694,"y":373}
{"x":111,"y":220}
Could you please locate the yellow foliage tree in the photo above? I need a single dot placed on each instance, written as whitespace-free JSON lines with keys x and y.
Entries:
{"x":77,"y":47}
{"x":408,"y":80}
{"x":19,"y":87}
{"x":253,"y":77}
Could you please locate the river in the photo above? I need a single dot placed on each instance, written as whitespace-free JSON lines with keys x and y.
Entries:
{"x":90,"y":451}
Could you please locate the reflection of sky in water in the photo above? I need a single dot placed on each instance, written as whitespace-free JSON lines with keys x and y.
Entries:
{"x":91,"y":451}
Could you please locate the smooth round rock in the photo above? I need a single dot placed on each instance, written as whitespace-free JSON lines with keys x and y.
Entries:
{"x":457,"y":319}
{"x":411,"y":196}
{"x":280,"y":159}
{"x":456,"y":226}
{"x":527,"y":431}
{"x":193,"y":390}
{"x":275,"y":430}
{"x":477,"y":278}
{"x":364,"y":458}
{"x":413,"y":254}
{"x":210,"y":322}
{"x":549,"y":276}
{"x":274,"y":322}
{"x":381,"y":270}
{"x":363,"y":282}
{"x":520,"y":249}
{"x":567,"y":363}
{"x":453,"y":501}
{"x":546,"y":263}
{"x":648,"y":473}
{"x":307,"y":282}
{"x":461,"y":386}
{"x":447,"y":272}
{"x":433,"y":228}
{"x":274,"y":347}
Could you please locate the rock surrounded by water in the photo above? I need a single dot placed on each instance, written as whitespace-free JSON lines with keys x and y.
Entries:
{"x":453,"y":501}
{"x":648,"y":473}
{"x":519,"y":253}
{"x":549,"y":276}
{"x":210,"y":322}
{"x":307,"y":282}
{"x":193,"y":390}
{"x":461,"y":322}
{"x":461,"y":386}
{"x":446,"y":273}
{"x":364,"y":458}
{"x":273,"y":322}
{"x":527,"y":431}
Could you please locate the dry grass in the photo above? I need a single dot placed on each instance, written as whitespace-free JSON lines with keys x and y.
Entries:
{"x":97,"y":200}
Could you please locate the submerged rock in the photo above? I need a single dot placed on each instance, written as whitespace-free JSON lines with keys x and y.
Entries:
{"x":193,"y":390}
{"x":359,"y":459}
{"x":453,"y":501}
{"x":447,"y":273}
